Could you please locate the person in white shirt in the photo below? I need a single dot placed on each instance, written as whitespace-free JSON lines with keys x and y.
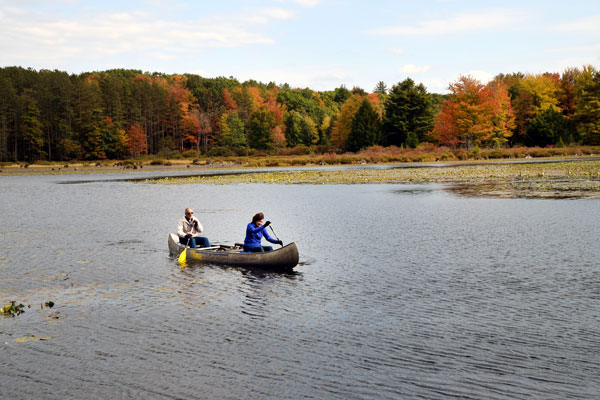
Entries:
{"x":189,"y":229}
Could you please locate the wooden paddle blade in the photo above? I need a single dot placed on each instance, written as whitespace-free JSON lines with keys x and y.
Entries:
{"x":182,"y":258}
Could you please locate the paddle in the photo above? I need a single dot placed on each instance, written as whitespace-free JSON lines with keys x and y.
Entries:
{"x":276,"y":235}
{"x":182,"y":256}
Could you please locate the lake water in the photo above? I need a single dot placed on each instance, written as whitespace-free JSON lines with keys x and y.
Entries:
{"x":403,"y":292}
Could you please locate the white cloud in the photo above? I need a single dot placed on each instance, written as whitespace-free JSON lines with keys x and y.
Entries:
{"x":415,"y":69}
{"x":587,"y":24}
{"x":473,"y":21}
{"x":57,"y":39}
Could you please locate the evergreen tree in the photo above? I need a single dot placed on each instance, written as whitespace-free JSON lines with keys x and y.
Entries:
{"x":114,"y":141}
{"x":32,"y":129}
{"x":341,"y":94}
{"x":92,"y":145}
{"x":8,"y":114}
{"x":548,"y":126}
{"x":380,"y":88}
{"x":366,"y":128}
{"x":588,"y":106}
{"x":407,"y":109}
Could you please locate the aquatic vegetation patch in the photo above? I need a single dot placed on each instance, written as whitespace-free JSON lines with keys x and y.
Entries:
{"x":576,"y":178}
{"x":12,"y":309}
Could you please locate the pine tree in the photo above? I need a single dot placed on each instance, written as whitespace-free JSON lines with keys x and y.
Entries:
{"x":588,"y":106}
{"x":366,"y":128}
{"x":408,"y":108}
{"x":32,"y":129}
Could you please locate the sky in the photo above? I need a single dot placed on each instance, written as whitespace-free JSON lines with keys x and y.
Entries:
{"x":320,"y":44}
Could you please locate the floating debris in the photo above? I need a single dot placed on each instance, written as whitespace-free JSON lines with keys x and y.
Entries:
{"x":31,"y":338}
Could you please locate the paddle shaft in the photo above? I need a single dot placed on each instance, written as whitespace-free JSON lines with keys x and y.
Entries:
{"x":276,"y":237}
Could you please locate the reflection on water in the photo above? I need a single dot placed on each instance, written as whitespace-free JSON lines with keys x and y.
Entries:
{"x":402,"y":292}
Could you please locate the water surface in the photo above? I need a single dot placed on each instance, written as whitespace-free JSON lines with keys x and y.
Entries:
{"x":405,"y":291}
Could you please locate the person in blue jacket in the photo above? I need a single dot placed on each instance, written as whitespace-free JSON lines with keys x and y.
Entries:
{"x":254,"y":233}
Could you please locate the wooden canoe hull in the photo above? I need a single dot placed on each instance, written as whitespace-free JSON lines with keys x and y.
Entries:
{"x":282,"y":259}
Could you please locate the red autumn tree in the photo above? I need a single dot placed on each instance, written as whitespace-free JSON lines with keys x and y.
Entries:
{"x":136,"y":140}
{"x":466,"y":117}
{"x":228,"y":101}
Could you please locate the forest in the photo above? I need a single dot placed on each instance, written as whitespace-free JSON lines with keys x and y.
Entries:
{"x":117,"y":114}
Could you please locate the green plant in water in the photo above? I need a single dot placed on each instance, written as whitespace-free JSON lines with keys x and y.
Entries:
{"x":13,"y":309}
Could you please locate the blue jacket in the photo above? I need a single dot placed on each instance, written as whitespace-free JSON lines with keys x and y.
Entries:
{"x":254,"y":235}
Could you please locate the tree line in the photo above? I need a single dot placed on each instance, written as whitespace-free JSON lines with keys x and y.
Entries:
{"x":116,"y":114}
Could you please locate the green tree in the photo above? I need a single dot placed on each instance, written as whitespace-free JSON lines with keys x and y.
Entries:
{"x":548,"y":126}
{"x":366,"y":127}
{"x":412,"y":140}
{"x":308,"y":131}
{"x":408,"y":108}
{"x":88,"y":116}
{"x":292,"y":124}
{"x":588,"y":106}
{"x":341,"y":94}
{"x":380,"y":88}
{"x":260,"y":129}
{"x":8,"y":116}
{"x":114,"y":141}
{"x":92,"y":145}
{"x":32,"y":128}
{"x":232,"y":133}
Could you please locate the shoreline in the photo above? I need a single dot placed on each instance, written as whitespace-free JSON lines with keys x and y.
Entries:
{"x":184,"y":165}
{"x":541,"y":178}
{"x":547,"y":179}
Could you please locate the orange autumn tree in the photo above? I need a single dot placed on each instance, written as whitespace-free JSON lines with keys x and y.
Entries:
{"x":184,"y":117}
{"x":228,"y":101}
{"x":136,"y":140}
{"x":474,"y":115}
{"x":503,"y":116}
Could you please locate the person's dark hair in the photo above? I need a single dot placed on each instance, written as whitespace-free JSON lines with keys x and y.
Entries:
{"x":258,"y":217}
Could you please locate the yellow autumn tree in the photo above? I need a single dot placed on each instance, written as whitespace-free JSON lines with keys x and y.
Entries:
{"x":343,"y":124}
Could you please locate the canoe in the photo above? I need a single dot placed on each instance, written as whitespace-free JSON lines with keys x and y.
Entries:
{"x":283,"y":259}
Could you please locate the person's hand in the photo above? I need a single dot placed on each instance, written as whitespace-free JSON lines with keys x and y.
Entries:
{"x":267,"y":223}
{"x":279,"y":242}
